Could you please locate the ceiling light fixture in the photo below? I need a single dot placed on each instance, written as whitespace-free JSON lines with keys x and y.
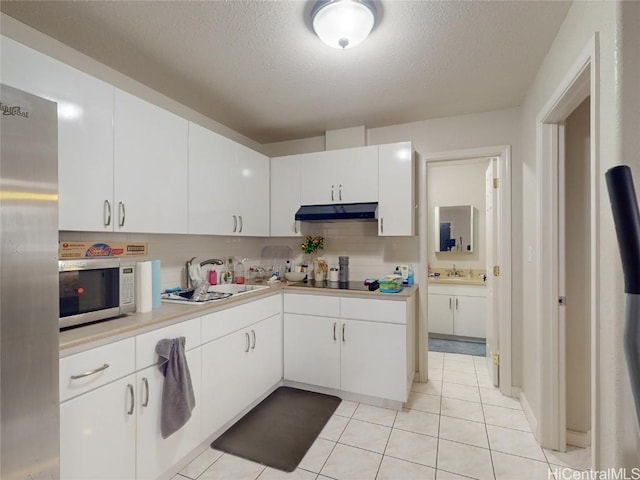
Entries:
{"x":343,"y":23}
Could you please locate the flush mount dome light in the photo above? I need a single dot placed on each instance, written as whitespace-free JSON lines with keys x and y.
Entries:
{"x":343,"y":23}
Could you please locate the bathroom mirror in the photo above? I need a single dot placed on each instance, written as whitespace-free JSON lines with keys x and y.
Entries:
{"x":454,"y":229}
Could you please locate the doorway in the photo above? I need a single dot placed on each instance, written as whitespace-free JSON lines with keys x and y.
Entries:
{"x":567,"y":269}
{"x":501,"y":242}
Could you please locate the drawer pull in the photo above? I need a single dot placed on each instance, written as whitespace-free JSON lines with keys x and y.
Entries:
{"x":145,"y":382}
{"x":92,"y":372}
{"x":132,"y":403}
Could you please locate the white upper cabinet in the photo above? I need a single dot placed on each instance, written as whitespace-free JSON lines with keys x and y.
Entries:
{"x":340,"y":176}
{"x":251,"y":192}
{"x":285,"y":196}
{"x":212,"y":159}
{"x":150,"y":158}
{"x":396,"y":205}
{"x":228,"y":186}
{"x":85,"y":133}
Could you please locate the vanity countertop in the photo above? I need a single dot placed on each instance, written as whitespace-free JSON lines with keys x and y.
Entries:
{"x":457,"y":281}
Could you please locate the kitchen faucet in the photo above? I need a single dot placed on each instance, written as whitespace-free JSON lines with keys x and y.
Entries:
{"x":189,"y":264}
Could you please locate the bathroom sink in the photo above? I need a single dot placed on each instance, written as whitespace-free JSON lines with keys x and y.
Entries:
{"x":236,"y":289}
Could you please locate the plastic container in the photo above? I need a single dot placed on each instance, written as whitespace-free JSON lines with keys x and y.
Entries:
{"x":238,"y":273}
{"x":390,"y":284}
{"x":213,"y":277}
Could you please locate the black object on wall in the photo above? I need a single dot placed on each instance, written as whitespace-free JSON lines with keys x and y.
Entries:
{"x":626,"y":217}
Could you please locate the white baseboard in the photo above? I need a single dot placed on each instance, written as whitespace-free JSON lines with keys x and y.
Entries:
{"x":579,"y":439}
{"x":531,"y":418}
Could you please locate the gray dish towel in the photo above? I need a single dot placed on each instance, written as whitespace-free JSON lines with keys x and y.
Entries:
{"x":178,"y":399}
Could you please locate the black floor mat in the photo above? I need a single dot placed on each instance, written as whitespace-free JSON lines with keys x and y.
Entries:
{"x":280,"y":429}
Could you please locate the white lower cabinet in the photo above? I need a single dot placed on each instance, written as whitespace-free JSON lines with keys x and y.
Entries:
{"x":312,"y":350}
{"x":367,"y":355}
{"x":373,"y":360}
{"x":155,"y":455}
{"x":459,"y":310}
{"x":239,"y":366}
{"x":110,"y":418}
{"x":98,"y":433}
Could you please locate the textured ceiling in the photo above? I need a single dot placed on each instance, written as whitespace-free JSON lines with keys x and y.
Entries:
{"x":257,"y":67}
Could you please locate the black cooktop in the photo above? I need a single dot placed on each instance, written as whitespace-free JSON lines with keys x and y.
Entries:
{"x":360,"y":286}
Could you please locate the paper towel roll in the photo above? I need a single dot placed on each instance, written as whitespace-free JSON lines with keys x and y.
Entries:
{"x":144,"y":286}
{"x":156,"y":278}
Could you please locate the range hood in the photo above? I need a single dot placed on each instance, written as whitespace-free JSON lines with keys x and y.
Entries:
{"x":342,"y":211}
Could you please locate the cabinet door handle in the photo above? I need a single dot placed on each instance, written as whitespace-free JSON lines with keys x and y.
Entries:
{"x":235,"y":224}
{"x":381,"y":224}
{"x":340,"y":193}
{"x":450,"y":303}
{"x":91,"y":372}
{"x":343,"y":337}
{"x":335,"y":324}
{"x":241,"y":223}
{"x":295,"y":227}
{"x":332,"y":187}
{"x":253,"y":337}
{"x":145,"y":383}
{"x":456,"y":303}
{"x":122,"y":212}
{"x":131,"y":396}
{"x":106,"y":213}
{"x":248,"y":347}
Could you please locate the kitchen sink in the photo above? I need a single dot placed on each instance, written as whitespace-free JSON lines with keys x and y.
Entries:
{"x":215,"y":293}
{"x":236,"y":289}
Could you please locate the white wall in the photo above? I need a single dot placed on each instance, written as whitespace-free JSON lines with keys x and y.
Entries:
{"x":616,"y":441}
{"x":452,"y":183}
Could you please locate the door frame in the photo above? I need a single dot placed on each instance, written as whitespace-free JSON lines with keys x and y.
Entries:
{"x":580,"y":82}
{"x":503,"y":152}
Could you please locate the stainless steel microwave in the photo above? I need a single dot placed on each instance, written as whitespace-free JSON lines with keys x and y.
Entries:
{"x":95,"y":289}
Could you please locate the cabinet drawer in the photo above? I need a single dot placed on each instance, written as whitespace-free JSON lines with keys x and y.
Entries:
{"x":388,"y":311}
{"x":119,"y":358}
{"x":146,"y":343}
{"x":312,"y":305}
{"x":219,"y":324}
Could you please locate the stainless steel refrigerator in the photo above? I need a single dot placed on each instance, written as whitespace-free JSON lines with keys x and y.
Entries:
{"x":29,"y":399}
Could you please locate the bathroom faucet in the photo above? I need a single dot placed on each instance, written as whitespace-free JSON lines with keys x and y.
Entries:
{"x":453,"y":272}
{"x":211,"y":261}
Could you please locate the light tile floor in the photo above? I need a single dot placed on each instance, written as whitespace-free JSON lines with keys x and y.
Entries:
{"x":455,"y":427}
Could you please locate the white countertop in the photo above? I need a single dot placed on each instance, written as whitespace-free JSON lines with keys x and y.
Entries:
{"x":86,"y":337}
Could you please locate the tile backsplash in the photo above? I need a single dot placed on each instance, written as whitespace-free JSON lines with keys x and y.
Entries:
{"x":369,"y":255}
